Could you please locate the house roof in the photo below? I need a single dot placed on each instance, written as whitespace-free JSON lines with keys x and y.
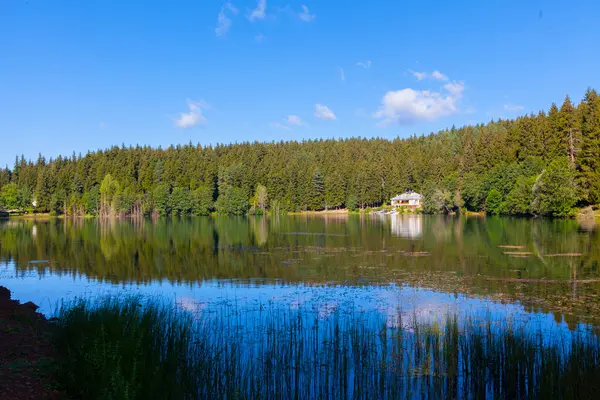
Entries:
{"x":408,"y":196}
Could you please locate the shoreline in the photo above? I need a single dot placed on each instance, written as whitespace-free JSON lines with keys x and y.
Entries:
{"x":584,"y":213}
{"x":26,"y":351}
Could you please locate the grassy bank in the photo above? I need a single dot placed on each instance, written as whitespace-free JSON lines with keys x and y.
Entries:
{"x":123,"y":349}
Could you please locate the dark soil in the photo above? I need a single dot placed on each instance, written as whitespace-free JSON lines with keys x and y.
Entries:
{"x":27,"y":356}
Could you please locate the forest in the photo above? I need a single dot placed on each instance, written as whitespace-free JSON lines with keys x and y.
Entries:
{"x":544,"y":164}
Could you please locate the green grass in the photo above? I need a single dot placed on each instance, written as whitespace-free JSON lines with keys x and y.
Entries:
{"x":121,"y":349}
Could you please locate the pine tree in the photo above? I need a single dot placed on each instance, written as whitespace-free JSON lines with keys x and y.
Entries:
{"x":567,"y":130}
{"x":589,"y":158}
{"x":43,"y":190}
{"x":335,"y":190}
{"x":317,"y":198}
{"x":555,"y":191}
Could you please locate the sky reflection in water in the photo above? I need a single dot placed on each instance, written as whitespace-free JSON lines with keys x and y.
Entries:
{"x":381,"y":265}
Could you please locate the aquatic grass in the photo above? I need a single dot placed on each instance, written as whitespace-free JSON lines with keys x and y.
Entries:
{"x":127,"y":348}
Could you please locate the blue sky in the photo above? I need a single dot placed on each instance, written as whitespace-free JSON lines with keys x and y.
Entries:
{"x":78,"y":75}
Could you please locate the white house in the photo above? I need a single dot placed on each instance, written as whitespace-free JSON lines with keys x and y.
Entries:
{"x":409,"y":199}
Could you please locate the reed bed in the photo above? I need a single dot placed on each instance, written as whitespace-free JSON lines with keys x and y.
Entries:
{"x":125,"y":348}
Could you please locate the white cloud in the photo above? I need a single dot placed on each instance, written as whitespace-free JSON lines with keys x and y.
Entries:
{"x":364,"y":64}
{"x":342,"y":75}
{"x":513,"y":107}
{"x":294,"y":120}
{"x":419,"y":75}
{"x":305,"y":15}
{"x":323,"y":112}
{"x":194,"y":116}
{"x":437,"y":75}
{"x":259,"y":12}
{"x":409,"y":105}
{"x":279,"y":126}
{"x":456,"y":88}
{"x":223,"y":21}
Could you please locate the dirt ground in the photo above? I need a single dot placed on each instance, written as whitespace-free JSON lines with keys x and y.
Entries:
{"x":27,"y":357}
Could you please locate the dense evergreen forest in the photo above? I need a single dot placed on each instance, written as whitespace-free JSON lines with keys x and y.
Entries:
{"x":539,"y":164}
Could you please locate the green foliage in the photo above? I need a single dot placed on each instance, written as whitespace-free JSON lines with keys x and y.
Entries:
{"x":109,"y":189}
{"x":436,"y":199}
{"x":202,"y":200}
{"x":493,"y":202}
{"x":161,"y":197}
{"x":554,"y":191}
{"x":5,"y":176}
{"x":260,"y":200}
{"x":317,"y":198}
{"x":232,"y":201}
{"x":464,"y":164}
{"x":43,"y":190}
{"x":91,"y":201}
{"x":25,"y":199}
{"x":181,"y":201}
{"x":57,"y":202}
{"x":335,"y":190}
{"x":125,"y":200}
{"x":473,"y":191}
{"x":9,"y":196}
{"x":351,"y":202}
{"x":519,"y":199}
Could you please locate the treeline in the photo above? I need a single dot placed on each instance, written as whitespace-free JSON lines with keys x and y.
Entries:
{"x":542,"y":164}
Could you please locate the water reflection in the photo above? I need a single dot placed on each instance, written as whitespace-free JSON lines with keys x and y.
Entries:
{"x":409,"y":226}
{"x":398,"y":306}
{"x":547,"y":263}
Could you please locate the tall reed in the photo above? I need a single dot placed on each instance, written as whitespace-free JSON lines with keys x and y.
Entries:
{"x":128,"y":349}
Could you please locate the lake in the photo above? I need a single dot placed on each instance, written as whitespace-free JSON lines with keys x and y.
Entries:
{"x":544,"y":271}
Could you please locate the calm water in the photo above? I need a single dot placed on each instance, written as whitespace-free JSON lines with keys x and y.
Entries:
{"x":537,"y":271}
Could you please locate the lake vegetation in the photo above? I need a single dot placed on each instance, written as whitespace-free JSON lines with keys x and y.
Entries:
{"x":126,"y":348}
{"x":540,"y":164}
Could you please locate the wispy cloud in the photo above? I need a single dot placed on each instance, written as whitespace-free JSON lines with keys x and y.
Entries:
{"x":455,"y":88}
{"x":409,"y":105}
{"x":223,"y":21}
{"x":342,"y":75}
{"x":305,"y":15}
{"x":260,"y":12}
{"x":419,"y":75}
{"x":323,"y":112}
{"x":194,"y":116}
{"x":437,"y":75}
{"x":364,"y":64}
{"x":513,"y":107}
{"x":294,"y":120}
{"x":277,"y":125}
